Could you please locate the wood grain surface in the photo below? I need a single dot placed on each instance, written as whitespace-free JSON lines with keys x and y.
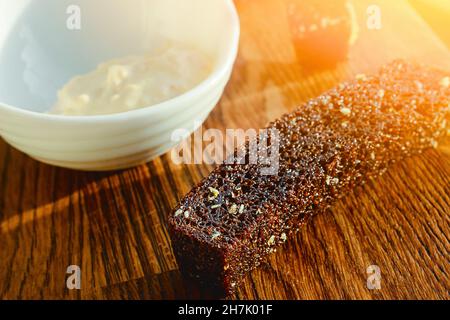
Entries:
{"x":113,"y":225}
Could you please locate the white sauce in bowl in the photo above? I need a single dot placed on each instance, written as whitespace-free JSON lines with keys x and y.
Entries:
{"x":134,"y":82}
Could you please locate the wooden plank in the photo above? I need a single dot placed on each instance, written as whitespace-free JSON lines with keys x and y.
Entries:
{"x":114,"y":224}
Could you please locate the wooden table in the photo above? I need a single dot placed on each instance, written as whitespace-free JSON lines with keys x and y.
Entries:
{"x":113,"y":225}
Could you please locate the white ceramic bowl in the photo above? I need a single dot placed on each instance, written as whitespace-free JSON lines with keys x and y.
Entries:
{"x":39,"y":54}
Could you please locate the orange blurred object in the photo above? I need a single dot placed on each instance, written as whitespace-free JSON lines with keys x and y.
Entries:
{"x":322,"y":31}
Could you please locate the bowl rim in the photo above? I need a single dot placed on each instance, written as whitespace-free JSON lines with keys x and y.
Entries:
{"x":213,"y":78}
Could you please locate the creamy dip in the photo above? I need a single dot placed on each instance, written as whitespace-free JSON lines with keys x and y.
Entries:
{"x":134,"y":82}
